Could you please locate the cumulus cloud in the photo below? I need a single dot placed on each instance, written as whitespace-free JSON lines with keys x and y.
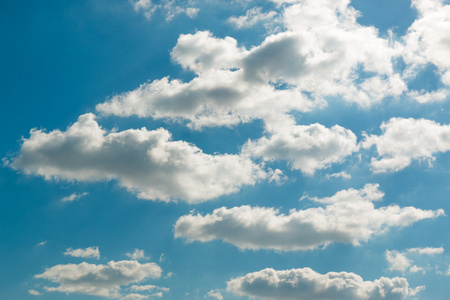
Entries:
{"x":98,"y":280}
{"x":306,"y":148}
{"x":270,"y":284}
{"x":137,"y":254}
{"x":322,"y":52}
{"x":146,"y":162}
{"x":398,"y":261}
{"x":252,"y":17}
{"x":427,"y":40}
{"x":405,"y":140}
{"x":73,"y":197}
{"x":90,"y":252}
{"x":349,"y":216}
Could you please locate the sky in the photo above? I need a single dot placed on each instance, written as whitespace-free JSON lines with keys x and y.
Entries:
{"x":210,"y":149}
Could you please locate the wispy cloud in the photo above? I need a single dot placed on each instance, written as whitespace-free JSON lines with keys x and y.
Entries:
{"x":74,"y":197}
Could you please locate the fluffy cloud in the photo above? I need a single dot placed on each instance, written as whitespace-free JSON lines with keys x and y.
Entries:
{"x":427,"y":42}
{"x":306,"y":148}
{"x":398,"y":261}
{"x":402,"y":261}
{"x":349,"y":216}
{"x":405,"y":140}
{"x":269,"y":284}
{"x":322,"y":52}
{"x":137,"y":254}
{"x":90,"y":252}
{"x":99,"y":280}
{"x":146,"y":162}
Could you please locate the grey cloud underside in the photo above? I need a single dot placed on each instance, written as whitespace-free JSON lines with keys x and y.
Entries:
{"x":349,"y":216}
{"x":146,"y":162}
{"x":306,"y":284}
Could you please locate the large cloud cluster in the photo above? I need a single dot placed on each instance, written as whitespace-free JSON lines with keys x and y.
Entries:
{"x":323,"y":51}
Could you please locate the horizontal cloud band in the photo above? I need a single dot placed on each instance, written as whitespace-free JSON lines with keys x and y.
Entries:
{"x":306,"y":284}
{"x":347,"y":217}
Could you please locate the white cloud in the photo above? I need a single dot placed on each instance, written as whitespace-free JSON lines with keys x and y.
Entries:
{"x":146,"y":162}
{"x":99,"y":280}
{"x":269,"y":284}
{"x":41,"y":243}
{"x":90,"y":252}
{"x":137,"y":254}
{"x":415,"y":269}
{"x":252,"y":17}
{"x":152,"y":290}
{"x":405,"y":140}
{"x":134,"y":296}
{"x":34,"y":293}
{"x":149,"y":287}
{"x":349,"y":216}
{"x":73,"y":197}
{"x":170,"y":8}
{"x":214,"y":294}
{"x":306,"y":148}
{"x":427,"y":97}
{"x":427,"y":250}
{"x":342,"y":174}
{"x":322,"y":52}
{"x":398,"y":261}
{"x":402,"y":261}
{"x":427,"y":40}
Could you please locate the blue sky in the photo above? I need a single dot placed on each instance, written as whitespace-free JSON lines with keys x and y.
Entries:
{"x":277,"y":149}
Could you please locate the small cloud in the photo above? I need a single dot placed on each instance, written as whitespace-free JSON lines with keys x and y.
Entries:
{"x":162,"y":258}
{"x":342,"y":174}
{"x":137,"y":254}
{"x":34,"y":292}
{"x":73,"y":197}
{"x":252,"y":17}
{"x":277,"y":176}
{"x":41,"y":243}
{"x":90,"y":252}
{"x":214,"y":294}
{"x":427,"y":250}
{"x":415,"y":269}
{"x":168,"y":275}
